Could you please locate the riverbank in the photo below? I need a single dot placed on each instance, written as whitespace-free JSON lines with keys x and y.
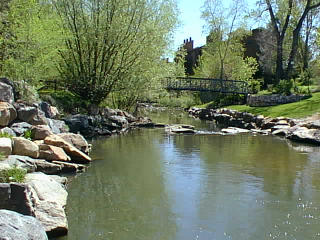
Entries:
{"x":300,"y":130}
{"x":36,"y":147}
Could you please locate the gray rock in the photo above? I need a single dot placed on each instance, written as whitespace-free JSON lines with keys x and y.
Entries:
{"x":15,"y":226}
{"x":57,"y":126}
{"x":31,"y":115}
{"x":234,"y":130}
{"x":8,"y":131}
{"x":5,"y":146}
{"x":20,"y":128}
{"x":119,"y":120}
{"x":24,"y":162}
{"x":77,"y":123}
{"x":49,"y":198}
{"x":305,"y":135}
{"x":6,"y":93}
{"x":48,"y":110}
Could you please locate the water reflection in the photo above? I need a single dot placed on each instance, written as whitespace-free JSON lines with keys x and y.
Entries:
{"x":148,"y":185}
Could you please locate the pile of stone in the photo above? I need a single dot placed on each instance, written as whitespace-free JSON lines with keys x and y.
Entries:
{"x":300,"y":130}
{"x":35,"y":140}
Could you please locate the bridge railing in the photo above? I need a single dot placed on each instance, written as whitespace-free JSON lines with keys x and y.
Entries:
{"x":206,"y":84}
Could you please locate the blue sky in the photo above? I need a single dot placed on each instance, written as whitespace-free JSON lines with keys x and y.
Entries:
{"x":192,"y":24}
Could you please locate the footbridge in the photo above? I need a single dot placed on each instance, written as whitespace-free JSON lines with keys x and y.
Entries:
{"x":206,"y":85}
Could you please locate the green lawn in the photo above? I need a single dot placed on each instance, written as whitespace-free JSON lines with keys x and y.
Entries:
{"x":300,"y":109}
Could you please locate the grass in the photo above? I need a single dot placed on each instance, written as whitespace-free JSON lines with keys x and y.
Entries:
{"x":300,"y":109}
{"x":5,"y":135}
{"x":13,"y":175}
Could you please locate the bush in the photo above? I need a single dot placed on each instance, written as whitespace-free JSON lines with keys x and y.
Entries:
{"x":27,"y":134}
{"x":254,"y":86}
{"x":1,"y":156}
{"x":5,"y":135}
{"x":13,"y":175}
{"x":284,"y":87}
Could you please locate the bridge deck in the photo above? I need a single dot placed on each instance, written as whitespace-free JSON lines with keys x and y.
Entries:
{"x":206,"y":85}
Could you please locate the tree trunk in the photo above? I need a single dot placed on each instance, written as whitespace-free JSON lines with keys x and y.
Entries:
{"x":279,"y":64}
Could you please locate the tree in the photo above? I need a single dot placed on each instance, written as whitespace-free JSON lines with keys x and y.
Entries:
{"x":113,"y":45}
{"x":280,"y":23}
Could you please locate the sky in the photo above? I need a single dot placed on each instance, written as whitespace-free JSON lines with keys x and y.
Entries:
{"x":192,"y":24}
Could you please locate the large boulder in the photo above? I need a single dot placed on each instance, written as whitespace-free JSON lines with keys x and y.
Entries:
{"x":76,"y":155}
{"x":40,"y":132}
{"x":57,"y":126}
{"x":305,"y":135}
{"x":6,"y":91}
{"x":49,"y":111}
{"x":31,"y":115}
{"x":7,"y":114}
{"x":49,"y":199}
{"x":25,"y":147}
{"x":5,"y":146}
{"x":15,"y":226}
{"x":119,"y":120}
{"x":53,"y":153}
{"x":20,"y":128}
{"x":7,"y":130}
{"x":76,"y":140}
{"x":24,"y":162}
{"x":77,"y":123}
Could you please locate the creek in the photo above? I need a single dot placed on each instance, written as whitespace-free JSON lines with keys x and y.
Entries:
{"x":148,"y":185}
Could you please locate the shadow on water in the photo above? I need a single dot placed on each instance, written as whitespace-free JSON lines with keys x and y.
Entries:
{"x":148,"y":185}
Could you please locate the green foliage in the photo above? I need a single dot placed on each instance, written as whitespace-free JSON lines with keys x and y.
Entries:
{"x":299,"y":109}
{"x":5,"y":135}
{"x":284,"y":87}
{"x":14,"y":174}
{"x":1,"y":156}
{"x":254,"y":86}
{"x":27,"y":134}
{"x":65,"y":100}
{"x":183,"y":101}
{"x":113,"y":46}
{"x":33,"y":49}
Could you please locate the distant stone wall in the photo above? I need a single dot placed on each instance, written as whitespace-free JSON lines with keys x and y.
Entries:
{"x":272,"y":100}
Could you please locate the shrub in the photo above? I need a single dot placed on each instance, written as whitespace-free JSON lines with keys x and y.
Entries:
{"x":14,"y":174}
{"x":254,"y":86}
{"x":1,"y":156}
{"x":284,"y":87}
{"x":5,"y":135}
{"x":27,"y":134}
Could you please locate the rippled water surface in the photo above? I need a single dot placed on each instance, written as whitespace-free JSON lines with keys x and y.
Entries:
{"x":148,"y":185}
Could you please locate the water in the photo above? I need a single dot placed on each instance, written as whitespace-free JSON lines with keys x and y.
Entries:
{"x":148,"y":185}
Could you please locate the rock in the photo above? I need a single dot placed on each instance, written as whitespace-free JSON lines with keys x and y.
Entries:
{"x":77,"y":123}
{"x":179,"y":129}
{"x":280,"y":132}
{"x":20,"y":128}
{"x":47,"y":167}
{"x":57,"y":126}
{"x":77,"y":141}
{"x":31,"y":115}
{"x":305,"y":135}
{"x":49,"y":199}
{"x":40,"y":132}
{"x":108,"y":112}
{"x":76,"y":155}
{"x":9,"y":131}
{"x":15,"y":226}
{"x":49,"y":111}
{"x":119,"y":120}
{"x":313,"y":124}
{"x":7,"y":92}
{"x":234,"y":130}
{"x":70,"y":167}
{"x":7,"y":114}
{"x":16,"y":197}
{"x":52,"y":153}
{"x":25,"y":147}
{"x":24,"y":162}
{"x":277,"y":127}
{"x":268,"y":123}
{"x":5,"y":146}
{"x":130,"y":118}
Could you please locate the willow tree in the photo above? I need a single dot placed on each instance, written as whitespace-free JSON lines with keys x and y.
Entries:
{"x":108,"y":43}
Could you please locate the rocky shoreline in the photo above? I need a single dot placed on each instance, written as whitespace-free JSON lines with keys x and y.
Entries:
{"x":299,"y":130}
{"x":36,"y":139}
